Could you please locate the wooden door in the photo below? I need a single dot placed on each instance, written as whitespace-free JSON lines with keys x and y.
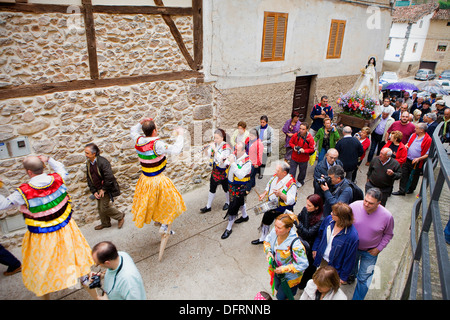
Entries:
{"x":301,"y":96}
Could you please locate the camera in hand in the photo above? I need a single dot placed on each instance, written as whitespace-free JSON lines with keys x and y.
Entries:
{"x":323,"y":180}
{"x":95,"y":282}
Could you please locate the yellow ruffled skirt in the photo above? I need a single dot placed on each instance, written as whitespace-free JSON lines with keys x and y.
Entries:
{"x":156,"y":198}
{"x":54,"y":261}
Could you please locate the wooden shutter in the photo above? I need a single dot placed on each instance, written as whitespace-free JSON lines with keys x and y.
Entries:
{"x":336,"y":39}
{"x":274,"y":36}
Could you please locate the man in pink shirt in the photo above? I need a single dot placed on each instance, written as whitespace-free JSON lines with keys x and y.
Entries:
{"x":375,"y":226}
{"x":404,"y":126}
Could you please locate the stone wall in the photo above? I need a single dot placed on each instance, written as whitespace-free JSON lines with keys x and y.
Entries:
{"x":45,"y":48}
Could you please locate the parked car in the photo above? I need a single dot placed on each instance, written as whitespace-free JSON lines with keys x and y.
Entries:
{"x":425,"y":74}
{"x":445,"y":75}
{"x":445,"y":84}
{"x":388,"y":77}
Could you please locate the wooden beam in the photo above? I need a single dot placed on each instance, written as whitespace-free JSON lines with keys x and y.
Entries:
{"x":178,"y":11}
{"x":177,"y":36}
{"x":197,"y":14}
{"x":75,"y":85}
{"x":33,"y":8}
{"x":58,"y":8}
{"x":90,"y":38}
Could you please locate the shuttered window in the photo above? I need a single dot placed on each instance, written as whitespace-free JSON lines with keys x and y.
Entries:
{"x":274,"y":36}
{"x":336,"y":39}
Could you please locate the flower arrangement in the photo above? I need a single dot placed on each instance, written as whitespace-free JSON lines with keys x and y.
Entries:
{"x":357,"y":105}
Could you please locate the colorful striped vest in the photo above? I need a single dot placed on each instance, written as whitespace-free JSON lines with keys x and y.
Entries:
{"x":152,"y":164}
{"x":282,"y":206}
{"x":46,"y":208}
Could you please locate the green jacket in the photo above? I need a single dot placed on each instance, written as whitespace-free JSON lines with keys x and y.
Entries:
{"x":334,"y":137}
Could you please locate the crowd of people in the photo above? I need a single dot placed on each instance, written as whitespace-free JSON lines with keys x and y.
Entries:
{"x":335,"y":239}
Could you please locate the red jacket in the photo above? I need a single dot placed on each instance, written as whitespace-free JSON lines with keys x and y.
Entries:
{"x":425,"y":145}
{"x":402,"y":152}
{"x":255,"y":152}
{"x":308,"y":146}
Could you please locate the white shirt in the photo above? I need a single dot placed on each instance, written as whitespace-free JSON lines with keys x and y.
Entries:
{"x":239,"y":168}
{"x":160,"y":146}
{"x":220,"y":155}
{"x":15,"y":198}
{"x":279,"y":184}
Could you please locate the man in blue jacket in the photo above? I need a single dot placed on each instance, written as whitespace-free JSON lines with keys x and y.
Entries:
{"x":318,"y":113}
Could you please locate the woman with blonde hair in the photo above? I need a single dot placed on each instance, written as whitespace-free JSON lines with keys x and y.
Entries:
{"x":324,"y":285}
{"x":287,"y":255}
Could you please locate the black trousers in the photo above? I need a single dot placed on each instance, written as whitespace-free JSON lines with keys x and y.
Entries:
{"x":376,"y":141}
{"x":8,"y":259}
{"x":407,"y":169}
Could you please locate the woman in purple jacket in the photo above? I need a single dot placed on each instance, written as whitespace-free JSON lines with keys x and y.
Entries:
{"x":290,"y":128}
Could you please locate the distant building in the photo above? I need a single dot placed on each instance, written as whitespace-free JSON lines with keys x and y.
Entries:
{"x":436,"y":52}
{"x":408,"y":34}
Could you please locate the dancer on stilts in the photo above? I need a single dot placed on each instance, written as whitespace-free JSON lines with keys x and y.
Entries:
{"x":156,"y":197}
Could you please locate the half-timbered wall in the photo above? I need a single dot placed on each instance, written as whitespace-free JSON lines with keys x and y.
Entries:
{"x":70,"y":76}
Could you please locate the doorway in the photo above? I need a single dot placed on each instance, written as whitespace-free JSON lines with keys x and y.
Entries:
{"x":301,"y":96}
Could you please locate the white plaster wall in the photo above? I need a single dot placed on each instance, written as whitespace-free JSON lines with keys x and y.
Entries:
{"x":418,"y":35}
{"x":233,"y":39}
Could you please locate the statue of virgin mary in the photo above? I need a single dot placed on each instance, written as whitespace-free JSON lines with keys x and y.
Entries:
{"x":367,"y":83}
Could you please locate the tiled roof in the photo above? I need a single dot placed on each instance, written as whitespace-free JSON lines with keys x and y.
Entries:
{"x":413,"y":13}
{"x":442,"y":14}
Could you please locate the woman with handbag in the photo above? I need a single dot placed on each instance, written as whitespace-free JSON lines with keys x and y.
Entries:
{"x":287,"y":256}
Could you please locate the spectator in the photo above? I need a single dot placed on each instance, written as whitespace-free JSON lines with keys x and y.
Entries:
{"x":363,"y":137}
{"x":325,"y":138}
{"x":375,"y":226}
{"x":240,"y":134}
{"x":265,"y":134}
{"x":122,"y":280}
{"x":440,"y":109}
{"x":254,"y":149}
{"x":399,"y":151}
{"x":309,"y":220}
{"x":340,"y":189}
{"x":404,"y":126}
{"x":289,"y":263}
{"x":302,"y":144}
{"x":318,"y":113}
{"x":426,"y":108}
{"x":416,"y":116}
{"x":290,"y":128}
{"x":381,"y":125}
{"x":397,"y":106}
{"x":417,"y":105}
{"x":350,"y":149}
{"x":445,"y":129}
{"x":407,"y":100}
{"x":397,"y":114}
{"x":430,"y":120}
{"x":418,"y":147}
{"x":337,"y":241}
{"x":321,"y":169}
{"x":324,"y":285}
{"x":382,"y":173}
{"x":104,"y":187}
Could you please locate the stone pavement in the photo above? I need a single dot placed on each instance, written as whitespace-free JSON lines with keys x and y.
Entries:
{"x":199,"y":265}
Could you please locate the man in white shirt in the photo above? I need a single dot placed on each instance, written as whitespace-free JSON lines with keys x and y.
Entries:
{"x":281,"y":187}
